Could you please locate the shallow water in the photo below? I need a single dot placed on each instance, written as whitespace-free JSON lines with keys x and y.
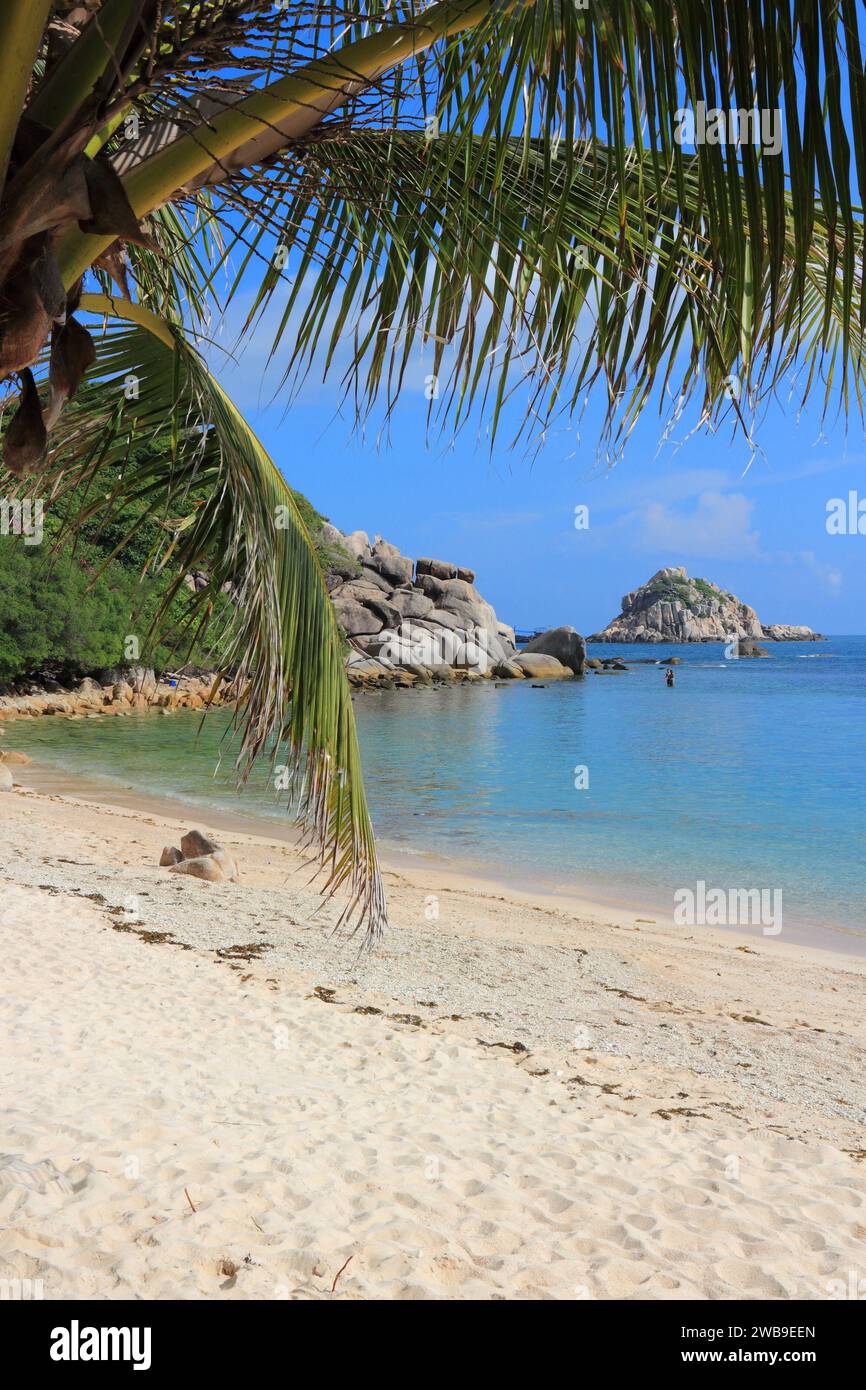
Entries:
{"x":748,"y":774}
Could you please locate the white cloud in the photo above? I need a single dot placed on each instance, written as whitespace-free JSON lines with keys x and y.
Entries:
{"x":679,"y":485}
{"x":828,"y":575}
{"x":717,"y":527}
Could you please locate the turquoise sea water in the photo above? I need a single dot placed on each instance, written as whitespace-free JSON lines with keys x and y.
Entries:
{"x":748,"y":774}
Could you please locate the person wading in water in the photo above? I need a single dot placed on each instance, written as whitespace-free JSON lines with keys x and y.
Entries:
{"x":669,"y":676}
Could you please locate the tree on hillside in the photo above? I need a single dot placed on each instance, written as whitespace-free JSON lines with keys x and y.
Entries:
{"x":505,"y":182}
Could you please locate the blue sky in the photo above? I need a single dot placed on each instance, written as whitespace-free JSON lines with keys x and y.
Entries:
{"x":759,"y":532}
{"x":756,"y":526}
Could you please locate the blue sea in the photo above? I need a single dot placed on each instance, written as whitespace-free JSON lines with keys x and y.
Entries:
{"x":749,"y":773}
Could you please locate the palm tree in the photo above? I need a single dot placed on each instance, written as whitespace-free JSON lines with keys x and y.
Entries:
{"x":499,"y":180}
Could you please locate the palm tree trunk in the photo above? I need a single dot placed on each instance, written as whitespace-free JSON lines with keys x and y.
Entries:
{"x":22,"y":23}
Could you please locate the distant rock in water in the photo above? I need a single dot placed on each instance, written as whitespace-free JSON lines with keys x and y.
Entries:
{"x":785,"y":632}
{"x":672,"y":607}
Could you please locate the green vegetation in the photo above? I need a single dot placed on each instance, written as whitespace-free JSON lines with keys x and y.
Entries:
{"x":49,"y":623}
{"x":707,"y":591}
{"x":683,"y":591}
{"x":673,"y":590}
{"x":333,"y":558}
{"x":68,"y":609}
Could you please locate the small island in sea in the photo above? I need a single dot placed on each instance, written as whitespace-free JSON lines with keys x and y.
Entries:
{"x":673,"y":607}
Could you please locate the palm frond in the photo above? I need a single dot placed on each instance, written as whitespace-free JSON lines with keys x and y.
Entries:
{"x":510,"y":271}
{"x":625,"y":73}
{"x":227,"y":509}
{"x":521,"y":93}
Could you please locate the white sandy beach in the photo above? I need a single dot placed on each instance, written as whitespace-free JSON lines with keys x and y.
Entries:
{"x":517,"y":1100}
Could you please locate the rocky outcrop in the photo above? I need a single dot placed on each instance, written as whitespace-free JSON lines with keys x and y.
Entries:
{"x":406,"y":622}
{"x":205,"y":868}
{"x":194,"y":844}
{"x":542,"y":667}
{"x":785,"y":632}
{"x":565,"y":644}
{"x":415,"y":622}
{"x":672,"y":607}
{"x":200,"y":857}
{"x":603,"y":666}
{"x":120,"y":691}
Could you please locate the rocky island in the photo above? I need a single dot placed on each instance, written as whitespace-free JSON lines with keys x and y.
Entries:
{"x":673,"y":607}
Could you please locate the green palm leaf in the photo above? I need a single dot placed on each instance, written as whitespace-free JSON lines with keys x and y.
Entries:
{"x":228,"y":509}
{"x":511,"y":271}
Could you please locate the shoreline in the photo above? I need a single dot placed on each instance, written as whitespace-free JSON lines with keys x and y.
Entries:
{"x":595,"y":899}
{"x":417,"y":877}
{"x":516,"y":1099}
